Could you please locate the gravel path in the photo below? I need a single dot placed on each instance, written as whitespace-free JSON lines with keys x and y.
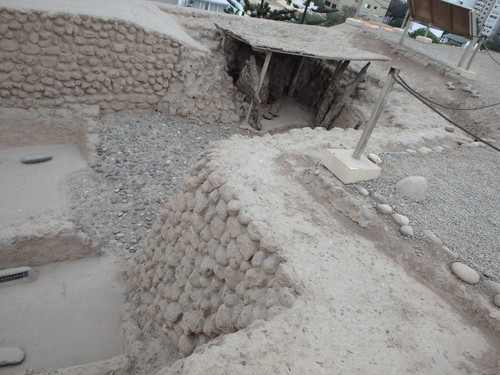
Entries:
{"x":143,"y":156}
{"x":462,"y":204}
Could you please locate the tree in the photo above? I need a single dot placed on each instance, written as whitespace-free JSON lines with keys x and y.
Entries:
{"x":396,"y":12}
{"x":421,"y":31}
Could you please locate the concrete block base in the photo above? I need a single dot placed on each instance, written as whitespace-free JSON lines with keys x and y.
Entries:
{"x":466,"y":73}
{"x":346,"y":168}
{"x":354,"y":22}
{"x":423,"y":39}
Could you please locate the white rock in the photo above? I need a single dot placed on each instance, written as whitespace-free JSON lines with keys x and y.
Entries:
{"x":465,"y":273}
{"x":496,"y":300}
{"x":384,"y":209}
{"x":431,"y":236}
{"x":361,"y":190}
{"x":11,"y":355}
{"x":492,"y":287}
{"x":374,"y":158}
{"x":406,"y":230}
{"x":413,"y":187}
{"x":400,"y":219}
{"x":449,"y":253}
{"x":450,"y":128}
{"x":424,"y":150}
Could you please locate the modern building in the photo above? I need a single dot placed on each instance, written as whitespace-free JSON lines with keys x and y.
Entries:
{"x":489,"y":19}
{"x":213,"y":5}
{"x":373,"y":10}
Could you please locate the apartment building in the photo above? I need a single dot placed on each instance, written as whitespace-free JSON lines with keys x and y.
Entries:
{"x":374,"y":10}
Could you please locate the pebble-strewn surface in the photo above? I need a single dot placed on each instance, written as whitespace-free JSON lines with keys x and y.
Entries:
{"x":142,"y":158}
{"x":461,"y":206}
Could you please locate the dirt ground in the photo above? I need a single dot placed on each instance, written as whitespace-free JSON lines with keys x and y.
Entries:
{"x":370,"y":303}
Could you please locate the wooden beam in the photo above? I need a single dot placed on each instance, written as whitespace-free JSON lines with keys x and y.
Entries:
{"x":329,"y":93}
{"x":339,"y":104}
{"x":263,"y":72}
{"x":295,"y":77}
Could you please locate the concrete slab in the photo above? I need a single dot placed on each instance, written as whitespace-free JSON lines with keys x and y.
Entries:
{"x":70,"y":315}
{"x":423,"y":39}
{"x":347,"y":169}
{"x":36,"y":189}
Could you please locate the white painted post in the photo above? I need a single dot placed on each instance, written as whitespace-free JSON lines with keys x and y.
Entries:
{"x":405,"y":30}
{"x":367,"y":132}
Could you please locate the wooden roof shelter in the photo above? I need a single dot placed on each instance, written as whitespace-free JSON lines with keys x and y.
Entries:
{"x":322,"y":43}
{"x":328,"y":43}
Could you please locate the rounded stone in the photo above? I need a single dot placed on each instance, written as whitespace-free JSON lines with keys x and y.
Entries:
{"x":465,"y":273}
{"x":431,"y":236}
{"x":413,"y":187}
{"x":384,"y":209}
{"x":424,"y":150}
{"x":374,"y":158}
{"x":379,"y":197}
{"x":400,"y":219}
{"x":361,"y":190}
{"x":11,"y":355}
{"x":449,"y":253}
{"x":492,"y":287}
{"x":406,"y":230}
{"x":36,"y":158}
{"x":496,"y":300}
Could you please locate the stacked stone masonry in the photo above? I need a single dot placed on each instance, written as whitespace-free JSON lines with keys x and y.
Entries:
{"x":206,"y":269}
{"x":50,"y":59}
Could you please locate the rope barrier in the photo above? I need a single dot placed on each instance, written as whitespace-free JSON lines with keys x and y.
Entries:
{"x":407,"y":88}
{"x":445,"y":106}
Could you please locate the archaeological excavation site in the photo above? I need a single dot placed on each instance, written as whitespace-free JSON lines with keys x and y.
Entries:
{"x":193,"y":192}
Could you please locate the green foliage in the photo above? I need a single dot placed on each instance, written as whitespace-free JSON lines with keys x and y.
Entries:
{"x":421,"y":32}
{"x":348,"y":11}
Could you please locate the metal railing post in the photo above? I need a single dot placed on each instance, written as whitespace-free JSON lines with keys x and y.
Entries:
{"x":367,"y":132}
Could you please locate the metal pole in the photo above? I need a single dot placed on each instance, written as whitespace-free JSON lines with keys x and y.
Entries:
{"x":405,"y":31}
{"x":466,"y":52}
{"x":478,"y":47}
{"x":367,"y":132}
{"x":405,"y":20}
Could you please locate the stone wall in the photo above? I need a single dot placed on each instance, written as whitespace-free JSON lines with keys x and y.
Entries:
{"x":50,"y":59}
{"x":206,"y":268}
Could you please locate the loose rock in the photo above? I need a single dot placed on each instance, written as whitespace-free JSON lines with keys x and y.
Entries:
{"x":431,"y":236}
{"x":11,"y":355}
{"x":450,"y":128}
{"x":492,"y":287}
{"x":36,"y":158}
{"x":384,"y":209}
{"x":413,"y":187}
{"x":465,"y":273}
{"x":400,"y":219}
{"x":496,"y":300}
{"x":424,"y":150}
{"x":406,"y":231}
{"x":374,"y":158}
{"x":361,"y":190}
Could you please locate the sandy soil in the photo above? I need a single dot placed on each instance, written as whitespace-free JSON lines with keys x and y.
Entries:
{"x":70,"y":315}
{"x":370,"y":304}
{"x":36,"y":189}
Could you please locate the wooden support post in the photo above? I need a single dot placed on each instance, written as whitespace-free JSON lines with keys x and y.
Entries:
{"x":329,"y":94}
{"x":478,"y":47}
{"x":261,"y":80}
{"x":339,"y":104}
{"x":367,"y":132}
{"x":295,"y":77}
{"x":405,"y":31}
